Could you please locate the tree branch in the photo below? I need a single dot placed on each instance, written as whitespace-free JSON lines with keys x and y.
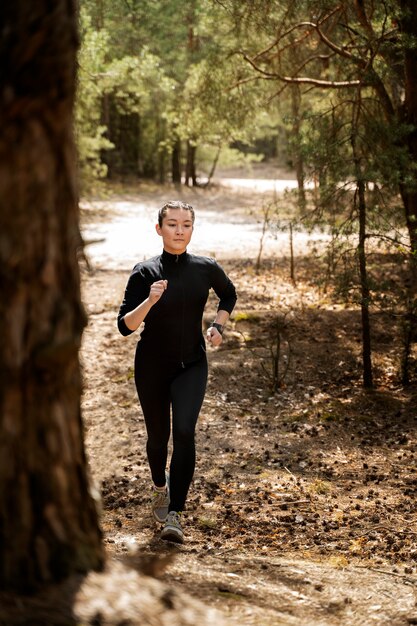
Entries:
{"x":277,"y":41}
{"x":303,"y":80}
{"x":314,"y":57}
{"x":291,"y":30}
{"x":251,"y":79}
{"x":363,"y":18}
{"x":369,"y":76}
{"x":340,"y":51}
{"x":222,"y":5}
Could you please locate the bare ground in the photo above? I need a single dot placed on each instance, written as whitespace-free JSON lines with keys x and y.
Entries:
{"x":302,"y":509}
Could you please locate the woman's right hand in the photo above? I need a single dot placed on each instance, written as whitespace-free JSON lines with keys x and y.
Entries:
{"x":157,"y":289}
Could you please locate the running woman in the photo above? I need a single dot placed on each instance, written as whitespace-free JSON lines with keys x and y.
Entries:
{"x":168,"y":293}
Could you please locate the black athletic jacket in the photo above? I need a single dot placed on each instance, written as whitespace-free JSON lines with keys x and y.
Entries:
{"x":173,"y":326}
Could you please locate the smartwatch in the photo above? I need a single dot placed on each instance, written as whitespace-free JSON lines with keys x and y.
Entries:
{"x":218,"y":327}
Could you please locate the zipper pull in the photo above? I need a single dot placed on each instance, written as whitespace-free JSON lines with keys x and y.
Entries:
{"x":176,"y":260}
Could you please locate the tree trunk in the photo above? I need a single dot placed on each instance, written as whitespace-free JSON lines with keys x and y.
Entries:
{"x":213,"y":167}
{"x":161,"y":165}
{"x":48,"y":518}
{"x":176,"y":162}
{"x":297,"y":155}
{"x":409,"y":192}
{"x":190,"y":171}
{"x":365,"y":294}
{"x":363,"y":269}
{"x":292,"y":262}
{"x":106,"y":156}
{"x":408,"y":25}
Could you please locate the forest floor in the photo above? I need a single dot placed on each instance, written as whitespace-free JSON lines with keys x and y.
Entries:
{"x":302,"y":509}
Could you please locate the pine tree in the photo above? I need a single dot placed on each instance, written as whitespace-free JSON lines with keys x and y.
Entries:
{"x":48,"y":518}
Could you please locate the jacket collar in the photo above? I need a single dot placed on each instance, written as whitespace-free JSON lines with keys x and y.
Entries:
{"x":169,"y":258}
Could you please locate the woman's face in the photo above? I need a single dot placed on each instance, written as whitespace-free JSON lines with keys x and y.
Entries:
{"x":176,"y":230}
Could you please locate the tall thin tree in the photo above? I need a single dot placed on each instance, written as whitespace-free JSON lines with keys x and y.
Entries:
{"x":48,"y":518}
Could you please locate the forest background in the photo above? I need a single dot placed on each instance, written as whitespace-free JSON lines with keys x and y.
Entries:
{"x":172,"y":90}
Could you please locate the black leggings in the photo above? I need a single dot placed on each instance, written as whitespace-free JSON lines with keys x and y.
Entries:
{"x":161,"y":386}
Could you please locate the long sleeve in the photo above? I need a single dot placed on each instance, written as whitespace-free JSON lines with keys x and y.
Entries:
{"x":137,"y":290}
{"x":223,"y":287}
{"x":173,"y":327}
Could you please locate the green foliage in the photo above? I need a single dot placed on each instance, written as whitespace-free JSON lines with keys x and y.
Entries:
{"x":171,"y":65}
{"x":132,"y":84}
{"x":90,"y":130}
{"x":354,"y":135}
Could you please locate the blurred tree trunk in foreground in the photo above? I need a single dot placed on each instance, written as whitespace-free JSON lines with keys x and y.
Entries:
{"x":48,"y":518}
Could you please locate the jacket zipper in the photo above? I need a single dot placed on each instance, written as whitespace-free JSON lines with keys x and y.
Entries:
{"x":182,"y":314}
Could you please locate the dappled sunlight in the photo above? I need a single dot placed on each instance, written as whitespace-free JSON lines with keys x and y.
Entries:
{"x":312,"y":481}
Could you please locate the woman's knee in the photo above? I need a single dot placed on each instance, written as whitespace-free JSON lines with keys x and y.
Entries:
{"x":157,"y":442}
{"x":184,"y":435}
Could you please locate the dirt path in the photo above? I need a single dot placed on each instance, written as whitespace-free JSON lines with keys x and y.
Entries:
{"x":229,"y":224}
{"x":302,"y":510}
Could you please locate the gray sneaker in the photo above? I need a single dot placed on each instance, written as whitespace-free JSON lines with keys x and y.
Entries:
{"x":160,"y":503}
{"x":172,"y":530}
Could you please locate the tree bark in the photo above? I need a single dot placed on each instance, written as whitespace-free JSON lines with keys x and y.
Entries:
{"x":367,"y":372}
{"x":365,"y":294}
{"x":408,"y":25}
{"x":297,"y":154}
{"x":213,"y":167}
{"x":176,"y":163}
{"x":408,"y":189}
{"x":48,"y":517}
{"x":161,"y":166}
{"x":190,"y":170}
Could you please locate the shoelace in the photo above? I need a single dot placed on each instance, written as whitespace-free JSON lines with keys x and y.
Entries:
{"x":174,"y":519}
{"x":160,"y":497}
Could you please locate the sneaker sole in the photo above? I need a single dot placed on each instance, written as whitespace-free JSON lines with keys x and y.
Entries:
{"x":158,"y":519}
{"x":170,"y":534}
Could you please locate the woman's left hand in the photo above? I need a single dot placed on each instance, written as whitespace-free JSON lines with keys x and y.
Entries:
{"x":214,"y":337}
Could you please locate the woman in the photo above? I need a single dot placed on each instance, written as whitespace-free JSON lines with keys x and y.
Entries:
{"x":168,"y":293}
